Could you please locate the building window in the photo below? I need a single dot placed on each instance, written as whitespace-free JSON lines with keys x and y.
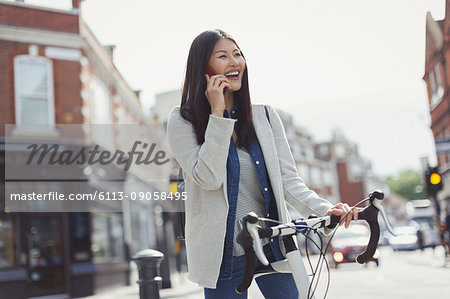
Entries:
{"x":100,"y":240}
{"x":80,"y":237}
{"x":33,"y":86}
{"x":296,"y":149}
{"x":309,"y":152}
{"x":6,"y":241}
{"x":139,"y":229}
{"x":303,"y":171}
{"x":357,"y":171}
{"x":442,"y":161}
{"x":117,"y":240}
{"x":107,"y":237}
{"x":327,"y":178}
{"x":436,"y":87}
{"x":102,"y":132}
{"x":316,"y":180}
{"x":101,"y":102}
{"x":59,"y":4}
{"x":340,"y":151}
{"x":323,"y":150}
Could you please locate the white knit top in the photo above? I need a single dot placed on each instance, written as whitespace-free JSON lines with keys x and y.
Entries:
{"x":250,"y":196}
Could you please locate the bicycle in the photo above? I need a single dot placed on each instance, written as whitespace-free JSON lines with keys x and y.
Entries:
{"x":250,"y":239}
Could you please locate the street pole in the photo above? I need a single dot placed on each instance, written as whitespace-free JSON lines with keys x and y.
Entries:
{"x":437,"y":207}
{"x":434,"y":185}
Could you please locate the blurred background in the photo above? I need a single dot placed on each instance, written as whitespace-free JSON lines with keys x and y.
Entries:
{"x":362,"y":88}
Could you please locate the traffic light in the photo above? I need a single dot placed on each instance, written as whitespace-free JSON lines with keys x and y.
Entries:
{"x":173,"y":188}
{"x":433,"y":180}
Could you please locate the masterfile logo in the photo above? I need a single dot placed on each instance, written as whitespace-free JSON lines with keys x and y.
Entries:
{"x":82,"y":168}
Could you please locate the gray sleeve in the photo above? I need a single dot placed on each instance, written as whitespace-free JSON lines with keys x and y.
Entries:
{"x":296,"y":193}
{"x":206,"y":163}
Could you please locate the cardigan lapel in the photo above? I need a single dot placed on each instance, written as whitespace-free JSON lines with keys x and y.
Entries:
{"x":266,"y":140}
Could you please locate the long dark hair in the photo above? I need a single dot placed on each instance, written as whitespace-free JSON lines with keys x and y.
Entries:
{"x":195,"y":107}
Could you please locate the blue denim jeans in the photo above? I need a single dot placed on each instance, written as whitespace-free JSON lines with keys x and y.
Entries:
{"x":272,"y":286}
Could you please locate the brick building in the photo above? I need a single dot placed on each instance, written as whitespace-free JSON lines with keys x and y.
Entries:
{"x":54,"y":71}
{"x":335,"y":170}
{"x":353,"y":172}
{"x":437,"y":55}
{"x":318,"y":174}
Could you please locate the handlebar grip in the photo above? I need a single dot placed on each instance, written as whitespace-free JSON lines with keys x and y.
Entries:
{"x":250,"y":261}
{"x":370,"y":214}
{"x":334,"y":219}
{"x":377,"y":194}
{"x":246,"y":241}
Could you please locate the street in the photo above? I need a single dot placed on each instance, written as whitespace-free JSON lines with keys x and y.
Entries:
{"x":409,"y":275}
{"x":401,"y":275}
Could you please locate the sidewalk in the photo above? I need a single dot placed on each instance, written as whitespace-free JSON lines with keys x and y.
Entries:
{"x":429,"y":257}
{"x":181,"y":288}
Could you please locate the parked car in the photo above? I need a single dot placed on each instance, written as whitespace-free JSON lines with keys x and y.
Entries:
{"x":348,"y":243}
{"x":406,"y":239}
{"x":430,"y":234}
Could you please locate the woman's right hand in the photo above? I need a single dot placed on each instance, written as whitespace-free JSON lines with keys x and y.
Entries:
{"x":214,"y":92}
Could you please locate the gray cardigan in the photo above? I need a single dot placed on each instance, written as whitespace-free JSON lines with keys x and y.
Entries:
{"x":205,"y":174}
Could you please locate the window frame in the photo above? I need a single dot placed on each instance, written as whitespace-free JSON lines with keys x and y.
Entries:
{"x":436,"y":85}
{"x":110,"y":254}
{"x":18,"y":94}
{"x":97,"y":87}
{"x":13,"y":260}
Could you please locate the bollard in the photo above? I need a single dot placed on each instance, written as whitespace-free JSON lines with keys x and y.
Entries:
{"x":148,"y":262}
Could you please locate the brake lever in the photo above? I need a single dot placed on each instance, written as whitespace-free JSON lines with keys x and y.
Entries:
{"x":248,"y":240}
{"x":379,"y":206}
{"x":370,"y":214}
{"x":252,"y":228}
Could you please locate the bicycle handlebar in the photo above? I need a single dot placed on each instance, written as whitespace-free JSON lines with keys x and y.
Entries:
{"x":249,"y":237}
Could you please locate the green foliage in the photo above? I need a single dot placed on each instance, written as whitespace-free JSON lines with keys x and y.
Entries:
{"x":409,"y":184}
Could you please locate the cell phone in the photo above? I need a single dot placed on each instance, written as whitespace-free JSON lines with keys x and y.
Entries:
{"x":209,"y":71}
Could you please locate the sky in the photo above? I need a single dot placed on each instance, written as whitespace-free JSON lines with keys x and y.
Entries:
{"x":352,"y":65}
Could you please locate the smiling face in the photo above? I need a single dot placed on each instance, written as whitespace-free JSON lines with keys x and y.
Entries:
{"x":226,"y":59}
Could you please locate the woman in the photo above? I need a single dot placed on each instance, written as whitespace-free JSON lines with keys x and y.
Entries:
{"x":235,"y":159}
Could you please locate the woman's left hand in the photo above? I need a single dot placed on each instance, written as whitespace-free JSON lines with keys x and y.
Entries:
{"x":341,"y":209}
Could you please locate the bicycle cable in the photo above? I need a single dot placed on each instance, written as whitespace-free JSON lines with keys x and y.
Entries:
{"x":321,"y":256}
{"x":324,"y":252}
{"x":313,"y":285}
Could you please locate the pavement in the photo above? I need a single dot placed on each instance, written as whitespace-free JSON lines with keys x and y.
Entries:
{"x":397,"y":273}
{"x":401,"y":275}
{"x":181,"y":288}
{"x":429,"y":257}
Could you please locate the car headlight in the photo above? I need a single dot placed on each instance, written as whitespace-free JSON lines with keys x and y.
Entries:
{"x":338,"y":257}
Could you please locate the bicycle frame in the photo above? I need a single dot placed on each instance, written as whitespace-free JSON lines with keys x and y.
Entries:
{"x":250,"y":239}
